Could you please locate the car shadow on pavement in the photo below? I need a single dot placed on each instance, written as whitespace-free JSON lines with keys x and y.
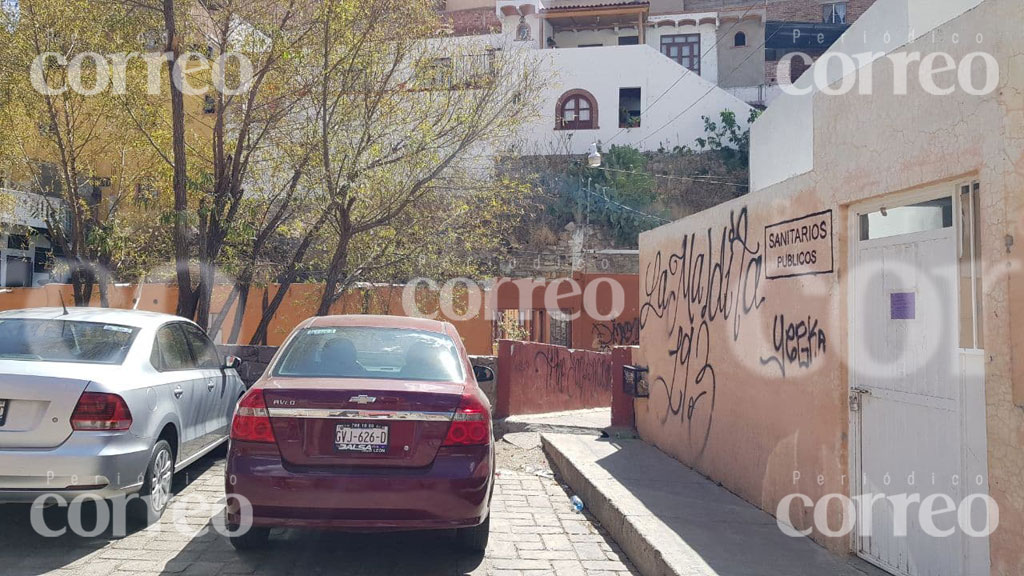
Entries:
{"x":325,"y":552}
{"x":28,"y":551}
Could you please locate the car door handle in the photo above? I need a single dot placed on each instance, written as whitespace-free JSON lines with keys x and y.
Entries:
{"x":211,"y":384}
{"x":178,"y":391}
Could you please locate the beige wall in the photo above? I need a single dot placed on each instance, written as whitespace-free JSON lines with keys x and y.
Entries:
{"x":741,"y":65}
{"x":742,"y":422}
{"x":453,"y":5}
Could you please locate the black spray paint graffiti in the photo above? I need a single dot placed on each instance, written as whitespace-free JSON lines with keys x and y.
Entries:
{"x":796,"y":343}
{"x":708,"y":280}
{"x":616,"y":333}
{"x":576,"y":375}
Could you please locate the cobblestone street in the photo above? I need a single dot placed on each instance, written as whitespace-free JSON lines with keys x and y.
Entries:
{"x":533,"y":531}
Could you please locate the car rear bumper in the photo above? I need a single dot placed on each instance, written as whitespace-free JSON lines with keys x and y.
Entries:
{"x":106,"y":464}
{"x":453,"y":492}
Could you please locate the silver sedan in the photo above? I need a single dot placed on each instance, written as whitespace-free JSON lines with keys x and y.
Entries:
{"x":107,"y":402}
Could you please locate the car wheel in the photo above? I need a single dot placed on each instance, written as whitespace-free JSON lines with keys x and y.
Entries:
{"x":253,"y":539}
{"x":156,"y":487}
{"x":474,"y":539}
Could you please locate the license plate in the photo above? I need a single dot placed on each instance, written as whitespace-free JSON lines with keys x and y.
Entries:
{"x":3,"y":412}
{"x":366,"y":438}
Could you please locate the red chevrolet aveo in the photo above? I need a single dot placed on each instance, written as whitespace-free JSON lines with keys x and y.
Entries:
{"x":364,"y":423}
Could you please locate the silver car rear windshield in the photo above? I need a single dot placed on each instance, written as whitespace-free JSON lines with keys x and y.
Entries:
{"x":64,"y":341}
{"x":365,"y":352}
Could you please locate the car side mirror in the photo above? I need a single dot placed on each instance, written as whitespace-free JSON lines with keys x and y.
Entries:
{"x":483,"y":374}
{"x":232,"y":362}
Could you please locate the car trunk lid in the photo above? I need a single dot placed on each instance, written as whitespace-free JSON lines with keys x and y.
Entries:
{"x":37,"y":408}
{"x":343,"y":422}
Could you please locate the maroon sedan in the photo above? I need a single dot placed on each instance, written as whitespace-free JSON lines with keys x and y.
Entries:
{"x":364,"y":423}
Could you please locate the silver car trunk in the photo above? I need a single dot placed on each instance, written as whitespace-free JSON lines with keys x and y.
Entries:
{"x":40,"y":399}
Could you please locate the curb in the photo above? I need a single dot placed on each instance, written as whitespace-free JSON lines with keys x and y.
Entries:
{"x":502,"y":427}
{"x":636,"y":541}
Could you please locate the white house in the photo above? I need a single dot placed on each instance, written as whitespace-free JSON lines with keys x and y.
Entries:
{"x":629,"y":72}
{"x":26,"y":251}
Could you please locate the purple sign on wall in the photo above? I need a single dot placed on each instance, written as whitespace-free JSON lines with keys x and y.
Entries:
{"x":902,"y":306}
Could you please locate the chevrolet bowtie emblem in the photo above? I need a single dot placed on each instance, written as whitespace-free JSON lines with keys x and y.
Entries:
{"x":363,"y":399}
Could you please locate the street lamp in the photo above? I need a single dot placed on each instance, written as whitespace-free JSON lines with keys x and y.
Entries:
{"x":594,"y":158}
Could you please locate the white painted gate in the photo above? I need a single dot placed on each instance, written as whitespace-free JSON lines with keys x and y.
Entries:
{"x":907,"y":379}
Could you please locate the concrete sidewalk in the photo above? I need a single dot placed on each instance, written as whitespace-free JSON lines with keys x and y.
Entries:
{"x":591,"y":421}
{"x":671,"y":520}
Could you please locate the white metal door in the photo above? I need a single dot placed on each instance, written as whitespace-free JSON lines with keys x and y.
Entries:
{"x":906,"y":388}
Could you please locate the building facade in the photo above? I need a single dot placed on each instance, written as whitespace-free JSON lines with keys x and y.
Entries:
{"x":28,"y":255}
{"x":862,"y":339}
{"x":738,"y":45}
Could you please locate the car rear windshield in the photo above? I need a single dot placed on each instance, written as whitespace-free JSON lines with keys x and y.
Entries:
{"x":365,"y":352}
{"x":64,"y":341}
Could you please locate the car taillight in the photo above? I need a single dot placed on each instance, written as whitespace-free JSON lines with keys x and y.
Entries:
{"x":471,"y":425}
{"x":99,"y":411}
{"x":252,"y":421}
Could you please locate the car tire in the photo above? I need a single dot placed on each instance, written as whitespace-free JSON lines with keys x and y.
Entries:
{"x":474,"y":539}
{"x":254,"y":539}
{"x":156,"y":487}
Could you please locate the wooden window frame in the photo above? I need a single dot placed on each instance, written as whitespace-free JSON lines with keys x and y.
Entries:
{"x":576,"y":96}
{"x":692,"y":40}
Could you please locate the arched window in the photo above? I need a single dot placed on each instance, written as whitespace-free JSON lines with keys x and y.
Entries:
{"x":741,"y":39}
{"x":576,"y":110}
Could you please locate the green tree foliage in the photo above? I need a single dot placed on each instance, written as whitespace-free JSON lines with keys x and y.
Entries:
{"x":72,"y":147}
{"x":618,"y":198}
{"x":728,"y":139}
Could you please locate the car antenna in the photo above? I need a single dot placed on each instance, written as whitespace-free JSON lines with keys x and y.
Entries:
{"x":62,"y":305}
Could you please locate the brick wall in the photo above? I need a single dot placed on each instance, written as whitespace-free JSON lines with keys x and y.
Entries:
{"x":811,"y":10}
{"x":786,"y":10}
{"x":473,"y":21}
{"x":771,"y":70}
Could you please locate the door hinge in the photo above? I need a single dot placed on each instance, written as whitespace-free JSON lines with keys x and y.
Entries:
{"x":856,"y":394}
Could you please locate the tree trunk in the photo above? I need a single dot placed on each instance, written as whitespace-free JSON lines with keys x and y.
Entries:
{"x":103,"y":283}
{"x":81,"y":286}
{"x":336,"y":271}
{"x":186,"y":298}
{"x":243,"y":301}
{"x":218,"y":320}
{"x":207,"y":278}
{"x":260,"y":336}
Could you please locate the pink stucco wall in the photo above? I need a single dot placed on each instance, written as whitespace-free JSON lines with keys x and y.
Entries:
{"x":726,"y":400}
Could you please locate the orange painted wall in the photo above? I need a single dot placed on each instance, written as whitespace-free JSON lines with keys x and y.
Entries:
{"x":477,"y":331}
{"x":622,"y":328}
{"x":300,"y":303}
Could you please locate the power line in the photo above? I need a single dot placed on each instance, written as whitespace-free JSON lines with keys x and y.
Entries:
{"x":623,"y":206}
{"x":701,"y":179}
{"x":687,"y":71}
